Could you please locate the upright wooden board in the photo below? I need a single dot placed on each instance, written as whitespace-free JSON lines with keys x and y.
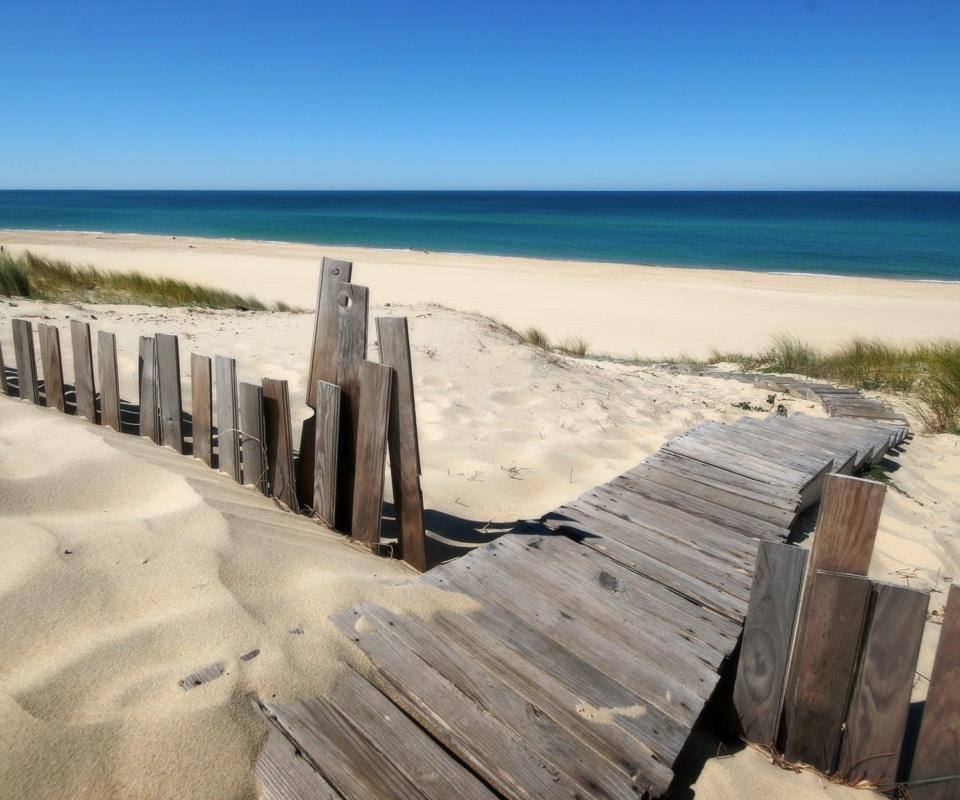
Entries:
{"x":253,"y":457}
{"x":228,"y":440}
{"x":881,"y":697}
{"x":201,"y":407}
{"x":279,"y":442}
{"x":26,"y":361}
{"x":767,"y":634}
{"x":3,"y":375}
{"x":84,"y":385}
{"x":149,"y":400}
{"x":352,"y":303}
{"x":394,"y":339}
{"x":109,"y":380}
{"x":937,"y":756}
{"x":52,"y":366}
{"x":828,"y":646}
{"x":327,"y":449}
{"x":375,"y":381}
{"x":171,"y":398}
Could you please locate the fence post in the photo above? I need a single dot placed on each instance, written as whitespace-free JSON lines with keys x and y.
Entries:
{"x":279,"y":441}
{"x":26,"y":361}
{"x":171,"y":398}
{"x":149,"y":403}
{"x":252,"y":435}
{"x":3,"y":375}
{"x":352,"y":302}
{"x":376,"y":380}
{"x":327,"y":446}
{"x":201,"y":408}
{"x":84,"y":387}
{"x":52,"y":366}
{"x":228,"y":440}
{"x":109,"y":380}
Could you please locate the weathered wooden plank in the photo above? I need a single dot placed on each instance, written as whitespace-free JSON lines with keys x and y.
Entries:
{"x":109,"y":380}
{"x":252,"y":437}
{"x":394,"y":339}
{"x":4,"y":387}
{"x":352,"y":304}
{"x":228,"y":423}
{"x":828,"y":640}
{"x":881,"y":698}
{"x":326,"y":447}
{"x":201,"y":407}
{"x":767,"y":634}
{"x":26,"y":360}
{"x":375,"y":384}
{"x":83,"y":380}
{"x":937,"y":756}
{"x":171,"y":397}
{"x":52,"y":366}
{"x":209,"y":673}
{"x":278,"y":430}
{"x":149,"y":397}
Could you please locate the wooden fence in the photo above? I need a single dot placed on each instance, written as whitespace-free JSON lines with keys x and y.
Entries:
{"x":361,"y":409}
{"x":829,"y":656}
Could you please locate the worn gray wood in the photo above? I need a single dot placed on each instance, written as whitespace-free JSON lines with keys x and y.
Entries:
{"x":881,"y":698}
{"x":149,"y":391}
{"x":228,"y":440}
{"x":286,"y":773}
{"x":171,"y":397}
{"x":375,"y":383}
{"x":767,"y":634}
{"x":326,"y":446}
{"x":3,"y":375}
{"x":201,"y":407}
{"x":52,"y":366}
{"x":26,"y":360}
{"x":109,"y":380}
{"x":393,"y":338}
{"x":209,"y":673}
{"x":84,"y":385}
{"x":278,"y":429}
{"x":252,"y":437}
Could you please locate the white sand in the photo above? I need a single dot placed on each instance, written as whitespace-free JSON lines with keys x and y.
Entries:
{"x":172,"y":567}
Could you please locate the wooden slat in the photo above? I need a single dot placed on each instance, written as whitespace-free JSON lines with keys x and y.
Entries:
{"x":252,"y":437}
{"x":52,"y":366}
{"x":767,"y":634}
{"x":828,"y":645}
{"x":278,"y":430}
{"x":171,"y":398}
{"x":375,"y":384}
{"x":109,"y":380}
{"x":394,"y":339}
{"x":937,"y":756}
{"x":326,"y":447}
{"x":83,"y":379}
{"x":4,"y":387}
{"x":149,"y":399}
{"x":26,"y":361}
{"x":201,"y":407}
{"x":228,"y":439}
{"x":285,"y":771}
{"x":352,"y":303}
{"x":881,"y":697}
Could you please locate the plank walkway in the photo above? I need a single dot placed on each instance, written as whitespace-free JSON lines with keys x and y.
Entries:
{"x":601,"y":633}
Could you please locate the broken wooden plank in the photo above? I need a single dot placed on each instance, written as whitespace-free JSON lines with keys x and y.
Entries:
{"x":201,"y":407}
{"x":252,"y":452}
{"x":278,"y":430}
{"x":149,"y":397}
{"x":26,"y":361}
{"x":109,"y":380}
{"x":201,"y":676}
{"x":52,"y":366}
{"x":375,"y":385}
{"x":83,"y":380}
{"x":228,"y":440}
{"x":171,"y":398}
{"x":326,"y":446}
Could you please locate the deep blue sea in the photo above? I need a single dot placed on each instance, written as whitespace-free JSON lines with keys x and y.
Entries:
{"x":902,"y":235}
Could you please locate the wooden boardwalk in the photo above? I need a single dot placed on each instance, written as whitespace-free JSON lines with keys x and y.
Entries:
{"x":602,"y":631}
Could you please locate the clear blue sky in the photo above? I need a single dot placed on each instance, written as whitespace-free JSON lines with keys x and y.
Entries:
{"x":512,"y":94}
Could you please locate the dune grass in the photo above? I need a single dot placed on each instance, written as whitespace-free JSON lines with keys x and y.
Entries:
{"x":56,"y":281}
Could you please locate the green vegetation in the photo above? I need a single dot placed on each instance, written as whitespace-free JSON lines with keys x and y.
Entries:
{"x":55,"y":281}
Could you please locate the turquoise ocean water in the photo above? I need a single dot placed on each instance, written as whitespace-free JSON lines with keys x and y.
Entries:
{"x":900,"y":235}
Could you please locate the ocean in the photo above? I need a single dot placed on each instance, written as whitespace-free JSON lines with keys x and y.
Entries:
{"x":899,"y":235}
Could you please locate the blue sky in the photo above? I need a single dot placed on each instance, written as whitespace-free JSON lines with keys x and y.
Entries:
{"x":521,"y":94}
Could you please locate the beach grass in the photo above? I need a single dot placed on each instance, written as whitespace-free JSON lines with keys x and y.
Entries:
{"x":57,"y":281}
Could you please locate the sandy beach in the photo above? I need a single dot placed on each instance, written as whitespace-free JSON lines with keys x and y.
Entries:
{"x":126,"y":567}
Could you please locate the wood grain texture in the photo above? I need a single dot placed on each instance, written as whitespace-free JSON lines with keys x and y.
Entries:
{"x":252,"y":437}
{"x":52,"y":362}
{"x":26,"y":361}
{"x":201,"y":407}
{"x":881,"y":697}
{"x":84,"y":385}
{"x":825,"y":664}
{"x":109,"y":380}
{"x":149,"y":391}
{"x":228,"y":439}
{"x":278,"y":429}
{"x":393,"y":337}
{"x":326,"y":446}
{"x":352,"y":307}
{"x":938,"y":746}
{"x":171,"y":397}
{"x":376,"y":381}
{"x":3,"y":375}
{"x":767,"y":635}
